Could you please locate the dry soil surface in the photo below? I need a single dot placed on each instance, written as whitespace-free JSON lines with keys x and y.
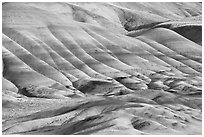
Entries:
{"x":102,"y":68}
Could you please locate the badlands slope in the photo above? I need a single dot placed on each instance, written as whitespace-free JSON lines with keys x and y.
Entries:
{"x":101,"y":68}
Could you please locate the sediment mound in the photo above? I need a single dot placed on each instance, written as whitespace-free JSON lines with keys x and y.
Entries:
{"x":102,"y":68}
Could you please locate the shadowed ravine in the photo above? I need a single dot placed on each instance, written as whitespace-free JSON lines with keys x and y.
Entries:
{"x":101,"y":68}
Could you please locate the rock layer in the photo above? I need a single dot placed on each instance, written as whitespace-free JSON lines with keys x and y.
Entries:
{"x":127,"y":68}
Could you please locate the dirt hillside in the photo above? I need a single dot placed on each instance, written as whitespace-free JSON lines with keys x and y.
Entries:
{"x":102,"y":68}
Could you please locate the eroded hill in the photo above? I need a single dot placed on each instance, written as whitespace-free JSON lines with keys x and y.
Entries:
{"x":102,"y":68}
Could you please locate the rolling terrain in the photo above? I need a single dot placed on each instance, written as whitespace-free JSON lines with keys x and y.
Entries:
{"x":101,"y":68}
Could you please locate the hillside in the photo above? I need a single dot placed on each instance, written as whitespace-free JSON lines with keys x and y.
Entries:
{"x":102,"y":68}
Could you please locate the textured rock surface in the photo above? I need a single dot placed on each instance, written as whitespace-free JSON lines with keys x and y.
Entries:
{"x":102,"y":68}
